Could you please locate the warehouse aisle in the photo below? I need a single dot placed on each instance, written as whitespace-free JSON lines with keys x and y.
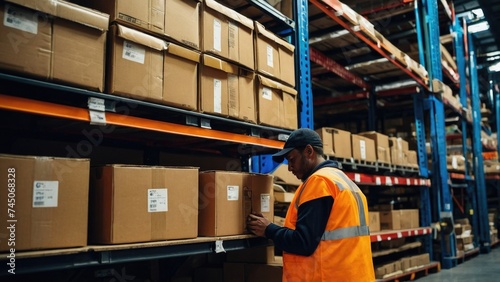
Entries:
{"x":482,"y":268}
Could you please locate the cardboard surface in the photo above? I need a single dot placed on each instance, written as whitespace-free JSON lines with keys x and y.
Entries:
{"x":409,"y":218}
{"x":67,"y":46}
{"x":182,"y":22}
{"x":227,"y":33}
{"x":277,"y":103}
{"x":374,"y":221}
{"x":342,"y":147}
{"x":130,"y":49}
{"x":226,"y":198}
{"x":51,"y":201}
{"x":390,"y":220}
{"x":381,"y":145}
{"x":363,"y":148}
{"x":141,"y":203}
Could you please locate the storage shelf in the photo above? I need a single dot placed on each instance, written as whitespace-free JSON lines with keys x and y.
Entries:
{"x":383,"y":180}
{"x":59,"y":259}
{"x":387,"y":235}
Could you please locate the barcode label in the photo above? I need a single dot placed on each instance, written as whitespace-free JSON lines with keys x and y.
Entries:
{"x":45,"y":194}
{"x":157,"y":200}
{"x":133,"y":52}
{"x":21,"y":19}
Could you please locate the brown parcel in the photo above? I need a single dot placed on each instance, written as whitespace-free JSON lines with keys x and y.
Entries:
{"x":277,"y":103}
{"x":227,"y":34}
{"x":226,"y":198}
{"x":51,"y":201}
{"x":69,"y":47}
{"x":363,"y":148}
{"x":141,"y":203}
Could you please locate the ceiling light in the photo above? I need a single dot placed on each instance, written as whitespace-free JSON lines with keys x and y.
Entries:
{"x":482,"y":26}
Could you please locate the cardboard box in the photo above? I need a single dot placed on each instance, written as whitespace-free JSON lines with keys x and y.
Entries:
{"x":226,"y":198}
{"x":398,"y":147}
{"x":283,"y":176}
{"x":405,"y":263}
{"x":50,"y":202}
{"x":363,"y":148}
{"x":180,"y":64}
{"x":226,"y":89}
{"x":143,"y":203}
{"x":274,"y":56}
{"x":381,"y":144}
{"x":390,"y":220}
{"x":61,"y":41}
{"x":336,"y":142}
{"x":374,"y":221}
{"x":130,"y":49}
{"x":276,"y":103}
{"x":227,"y":34}
{"x":409,"y":218}
{"x":182,"y":22}
{"x":412,"y":158}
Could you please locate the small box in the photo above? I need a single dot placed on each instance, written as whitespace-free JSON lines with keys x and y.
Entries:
{"x":363,"y":148}
{"x":226,"y":198}
{"x":274,"y":56}
{"x":374,"y":221}
{"x":336,"y":142}
{"x":51,"y":202}
{"x":381,"y":145}
{"x":390,"y":220}
{"x":227,"y":34}
{"x":277,"y":103}
{"x":226,"y":89}
{"x":143,"y":203}
{"x":409,"y":218}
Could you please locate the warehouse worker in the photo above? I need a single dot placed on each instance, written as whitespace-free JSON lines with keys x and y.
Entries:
{"x":325,"y":236}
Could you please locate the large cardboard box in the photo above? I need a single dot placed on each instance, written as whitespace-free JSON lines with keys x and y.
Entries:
{"x":277,"y":103}
{"x":390,"y":220}
{"x":142,"y":203}
{"x":363,"y":148}
{"x":374,"y":221}
{"x":274,"y":56}
{"x":228,"y":34}
{"x":336,"y":142}
{"x":45,"y":202}
{"x":182,"y":22}
{"x":226,"y":198}
{"x":226,"y":89}
{"x":181,"y":64}
{"x":131,"y":49}
{"x":409,"y":218}
{"x":398,"y":147}
{"x":54,"y":40}
{"x":381,"y":145}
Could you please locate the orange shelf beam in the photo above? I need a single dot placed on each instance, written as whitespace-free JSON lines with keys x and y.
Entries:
{"x":74,"y":113}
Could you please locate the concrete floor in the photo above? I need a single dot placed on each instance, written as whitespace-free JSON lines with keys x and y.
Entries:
{"x":481,"y":268}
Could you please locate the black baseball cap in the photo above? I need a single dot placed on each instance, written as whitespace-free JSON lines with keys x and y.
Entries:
{"x":298,"y":138}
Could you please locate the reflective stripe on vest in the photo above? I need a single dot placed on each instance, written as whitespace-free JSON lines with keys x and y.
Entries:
{"x":347,"y":232}
{"x":353,"y":231}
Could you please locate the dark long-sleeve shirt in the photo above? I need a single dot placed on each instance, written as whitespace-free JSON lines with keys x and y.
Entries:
{"x":311,"y":223}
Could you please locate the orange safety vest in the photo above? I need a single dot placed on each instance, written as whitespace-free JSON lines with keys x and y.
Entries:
{"x":344,"y":252}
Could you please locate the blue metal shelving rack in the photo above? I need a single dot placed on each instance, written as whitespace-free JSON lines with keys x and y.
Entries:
{"x":440,"y":190}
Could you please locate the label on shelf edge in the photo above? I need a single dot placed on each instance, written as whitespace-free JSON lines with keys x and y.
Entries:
{"x":378,"y":181}
{"x":219,"y":246}
{"x":96,"y":104}
{"x":400,"y":235}
{"x":388,"y":181}
{"x":379,"y":238}
{"x":97,"y":118}
{"x":357,"y":177}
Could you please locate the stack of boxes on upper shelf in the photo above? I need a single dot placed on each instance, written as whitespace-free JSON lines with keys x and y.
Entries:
{"x":464,"y":236}
{"x":62,"y":202}
{"x":196,"y":55}
{"x":371,"y":148}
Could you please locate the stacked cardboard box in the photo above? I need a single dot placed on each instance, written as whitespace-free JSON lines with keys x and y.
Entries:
{"x":383,"y":153}
{"x":336,"y":142}
{"x":227,"y":198}
{"x":464,"y":236}
{"x":61,"y":41}
{"x":45,"y":203}
{"x":403,"y":265}
{"x":143,"y":203}
{"x":363,"y":148}
{"x":399,"y":219}
{"x":374,"y":221}
{"x":493,"y":230}
{"x":277,"y":103}
{"x":398,"y":148}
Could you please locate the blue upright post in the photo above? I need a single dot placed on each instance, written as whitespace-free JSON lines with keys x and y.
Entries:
{"x":477,"y":149}
{"x":439,"y":171}
{"x":497,"y":120}
{"x":264,"y":163}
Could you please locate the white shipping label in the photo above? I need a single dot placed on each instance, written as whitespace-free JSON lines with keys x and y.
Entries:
{"x":133,"y":52}
{"x":270,"y":59}
{"x":233,"y":192}
{"x":22,"y":19}
{"x":45,"y":194}
{"x":265,"y":202}
{"x":217,"y":96}
{"x":267,"y":93}
{"x":454,"y":162}
{"x":362,"y":147}
{"x":157,"y":200}
{"x":217,"y":35}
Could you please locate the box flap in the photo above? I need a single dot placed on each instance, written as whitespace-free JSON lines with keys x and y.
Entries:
{"x":41,"y":157}
{"x":276,"y":85}
{"x":271,"y":36}
{"x":141,"y":38}
{"x":68,"y":11}
{"x":230,"y":13}
{"x":183,"y":52}
{"x":219,"y":64}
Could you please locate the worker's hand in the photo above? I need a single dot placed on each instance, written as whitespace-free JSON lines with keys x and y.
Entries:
{"x":257,"y":223}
